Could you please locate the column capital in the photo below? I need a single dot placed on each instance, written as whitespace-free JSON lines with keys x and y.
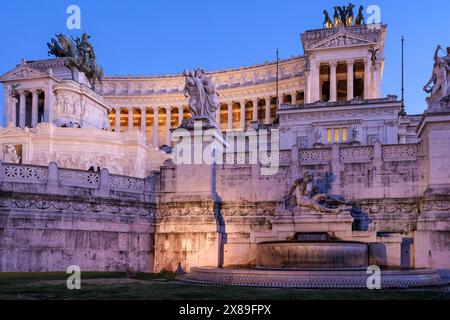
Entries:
{"x":155,"y":109}
{"x":333,"y":64}
{"x":350,"y":62}
{"x":143,"y":109}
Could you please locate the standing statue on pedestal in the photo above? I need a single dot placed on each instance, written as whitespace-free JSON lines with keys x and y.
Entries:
{"x":438,"y":85}
{"x":202,"y":93}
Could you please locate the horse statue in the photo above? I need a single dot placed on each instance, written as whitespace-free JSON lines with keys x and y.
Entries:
{"x":343,"y":13}
{"x":360,"y":17}
{"x":79,"y":55}
{"x":327,"y":23}
{"x":337,"y":16}
{"x":350,"y":15}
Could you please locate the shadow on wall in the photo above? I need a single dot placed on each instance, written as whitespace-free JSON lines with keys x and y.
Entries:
{"x":361,"y":219}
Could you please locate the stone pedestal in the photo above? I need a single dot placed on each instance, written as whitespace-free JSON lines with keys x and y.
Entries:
{"x":191,"y":231}
{"x":434,"y":130}
{"x":432,"y":237}
{"x":187,"y":234}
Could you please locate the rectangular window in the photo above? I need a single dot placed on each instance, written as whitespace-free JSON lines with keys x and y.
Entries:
{"x":344,"y":135}
{"x":337,"y":137}
{"x":329,"y":136}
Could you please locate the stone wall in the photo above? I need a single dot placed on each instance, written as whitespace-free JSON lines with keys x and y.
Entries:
{"x":52,"y":218}
{"x":388,"y":182}
{"x":355,"y":172}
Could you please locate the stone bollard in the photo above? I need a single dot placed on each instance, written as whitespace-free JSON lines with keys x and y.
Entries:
{"x":105,"y":188}
{"x":52,"y":178}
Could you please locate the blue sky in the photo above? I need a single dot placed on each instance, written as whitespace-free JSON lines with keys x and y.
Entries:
{"x":163,"y":37}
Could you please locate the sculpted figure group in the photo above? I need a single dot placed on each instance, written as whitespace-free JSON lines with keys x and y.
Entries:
{"x":438,"y":85}
{"x":203,"y":96}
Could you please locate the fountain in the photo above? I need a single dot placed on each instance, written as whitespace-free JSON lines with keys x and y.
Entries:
{"x":312,"y":255}
{"x":313,"y":259}
{"x":310,"y":264}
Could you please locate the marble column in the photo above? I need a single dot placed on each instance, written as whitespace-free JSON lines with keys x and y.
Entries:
{"x":230,"y":116}
{"x":180,"y":115}
{"x":7,"y":101}
{"x":377,"y":81}
{"x":168,"y":125}
{"x":156,"y":127}
{"x":255,"y":110}
{"x":218,"y":114}
{"x":13,"y":109}
{"x":144,"y":121}
{"x":34,"y":108}
{"x":22,"y":109}
{"x":294,"y":98}
{"x":367,"y":79}
{"x":333,"y":83}
{"x":130,"y":119}
{"x":308,"y":87}
{"x":49,"y":103}
{"x":117,"y":128}
{"x":315,"y":82}
{"x":350,"y":79}
{"x":267,"y":117}
{"x":242,"y":123}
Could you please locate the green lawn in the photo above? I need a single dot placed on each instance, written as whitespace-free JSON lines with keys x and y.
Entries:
{"x":165,"y":287}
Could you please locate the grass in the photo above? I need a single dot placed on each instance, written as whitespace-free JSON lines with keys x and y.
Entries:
{"x":163,"y":286}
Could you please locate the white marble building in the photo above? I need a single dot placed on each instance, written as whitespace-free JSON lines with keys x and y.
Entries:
{"x":332,"y":119}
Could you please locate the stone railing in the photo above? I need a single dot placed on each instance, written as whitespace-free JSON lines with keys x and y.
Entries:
{"x":400,"y":152}
{"x":359,"y":154}
{"x":246,"y":158}
{"x":315,"y":156}
{"x":356,"y":154}
{"x":324,"y":155}
{"x":19,"y":173}
{"x":54,"y":180}
{"x":126,"y":184}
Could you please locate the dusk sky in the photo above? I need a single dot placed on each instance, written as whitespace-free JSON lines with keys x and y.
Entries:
{"x":165,"y":37}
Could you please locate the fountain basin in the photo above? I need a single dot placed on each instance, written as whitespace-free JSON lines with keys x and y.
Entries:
{"x":312,"y":255}
{"x":318,"y":279}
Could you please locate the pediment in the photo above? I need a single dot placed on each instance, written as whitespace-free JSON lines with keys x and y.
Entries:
{"x":340,"y":39}
{"x":22,"y":72}
{"x":12,"y":131}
